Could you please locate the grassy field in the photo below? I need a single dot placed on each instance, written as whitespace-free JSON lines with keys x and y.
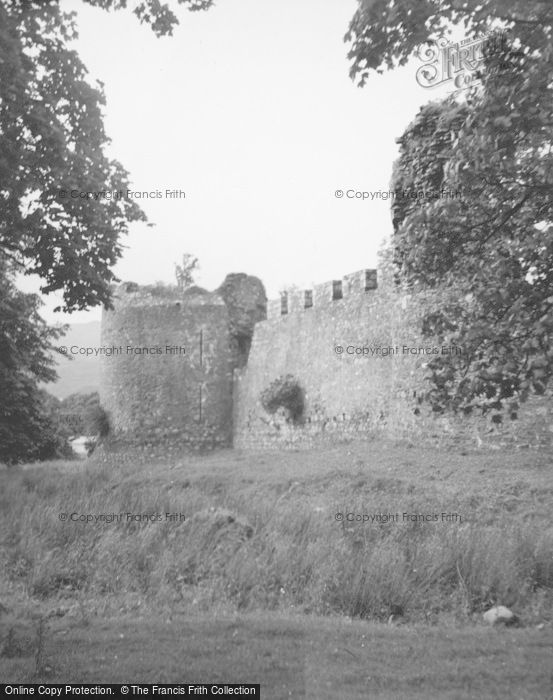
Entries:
{"x":260,"y":582}
{"x":293,"y":657}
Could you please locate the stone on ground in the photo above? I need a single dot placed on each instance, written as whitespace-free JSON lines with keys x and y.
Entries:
{"x":499,"y":614}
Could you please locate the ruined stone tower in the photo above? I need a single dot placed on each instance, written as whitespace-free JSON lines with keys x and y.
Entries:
{"x":167,"y":372}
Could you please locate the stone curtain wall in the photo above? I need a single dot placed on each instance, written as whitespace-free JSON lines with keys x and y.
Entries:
{"x":171,"y":397}
{"x":345,"y":394}
{"x":356,"y":395}
{"x":343,"y":341}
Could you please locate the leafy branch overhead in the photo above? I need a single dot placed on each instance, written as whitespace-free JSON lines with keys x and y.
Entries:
{"x":53,"y":142}
{"x":384,"y":34}
{"x":488,"y":254}
{"x":160,"y":16}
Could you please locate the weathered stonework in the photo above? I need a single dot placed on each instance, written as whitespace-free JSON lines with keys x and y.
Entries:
{"x":246,"y":303}
{"x":170,"y":396}
{"x":211,"y":396}
{"x":311,"y":336}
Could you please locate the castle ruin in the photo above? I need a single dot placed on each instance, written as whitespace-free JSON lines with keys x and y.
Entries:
{"x":171,"y":378}
{"x":353,"y":347}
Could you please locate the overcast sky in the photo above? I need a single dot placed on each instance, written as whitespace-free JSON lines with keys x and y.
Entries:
{"x":248,"y":109}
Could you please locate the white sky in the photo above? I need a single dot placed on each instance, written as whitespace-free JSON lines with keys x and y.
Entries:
{"x":249,"y":109}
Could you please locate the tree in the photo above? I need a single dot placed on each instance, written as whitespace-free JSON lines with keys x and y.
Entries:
{"x":186,"y":271}
{"x":63,"y":202}
{"x":52,"y":143}
{"x":27,"y":430}
{"x":160,"y":16}
{"x":488,"y":254}
{"x":78,"y":414}
{"x":386,"y":33}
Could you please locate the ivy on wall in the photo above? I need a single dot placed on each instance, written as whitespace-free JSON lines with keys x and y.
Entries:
{"x":284,"y":392}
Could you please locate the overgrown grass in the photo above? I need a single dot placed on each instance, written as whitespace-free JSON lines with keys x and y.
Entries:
{"x":256,"y":539}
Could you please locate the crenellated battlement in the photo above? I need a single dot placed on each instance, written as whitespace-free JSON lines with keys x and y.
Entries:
{"x":292,"y":301}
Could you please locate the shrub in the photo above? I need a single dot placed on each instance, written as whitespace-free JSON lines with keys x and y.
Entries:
{"x":75,"y":413}
{"x":161,"y":289}
{"x":81,"y":414}
{"x":33,"y":432}
{"x":99,"y":421}
{"x":284,"y":392}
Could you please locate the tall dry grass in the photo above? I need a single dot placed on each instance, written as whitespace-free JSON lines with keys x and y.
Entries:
{"x":262,"y":547}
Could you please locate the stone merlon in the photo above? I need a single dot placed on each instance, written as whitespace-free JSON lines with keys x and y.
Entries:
{"x":356,"y":284}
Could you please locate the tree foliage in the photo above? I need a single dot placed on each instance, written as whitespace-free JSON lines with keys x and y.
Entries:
{"x":487,"y":254}
{"x":52,"y":146}
{"x":63,"y":208}
{"x":79,"y":414}
{"x":160,"y":16}
{"x":64,"y":205}
{"x":186,"y":271}
{"x":27,"y":428}
{"x":385,"y":33}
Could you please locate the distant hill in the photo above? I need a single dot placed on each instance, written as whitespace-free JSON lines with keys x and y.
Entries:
{"x":81,"y":374}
